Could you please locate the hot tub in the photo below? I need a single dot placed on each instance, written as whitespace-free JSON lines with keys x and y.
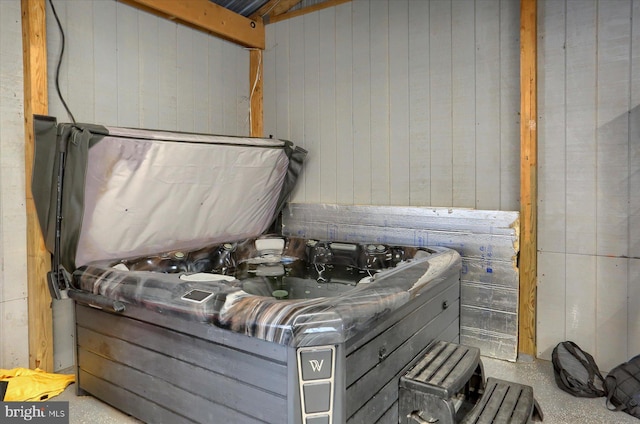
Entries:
{"x":186,"y":313}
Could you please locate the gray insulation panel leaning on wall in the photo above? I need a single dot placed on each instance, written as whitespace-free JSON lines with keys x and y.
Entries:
{"x":488,"y":242}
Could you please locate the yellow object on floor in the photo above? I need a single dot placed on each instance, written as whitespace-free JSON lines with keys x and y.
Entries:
{"x":27,"y":385}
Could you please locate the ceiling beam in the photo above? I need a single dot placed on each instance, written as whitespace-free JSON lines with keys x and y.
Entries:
{"x":209,"y":17}
{"x":274,"y":8}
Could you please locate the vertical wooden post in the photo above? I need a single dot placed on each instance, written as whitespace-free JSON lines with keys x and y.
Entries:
{"x":255,"y":95}
{"x":34,"y":51}
{"x":528,"y":178}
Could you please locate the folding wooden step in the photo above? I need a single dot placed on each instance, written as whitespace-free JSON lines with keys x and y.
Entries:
{"x":504,"y":402}
{"x":441,"y":385}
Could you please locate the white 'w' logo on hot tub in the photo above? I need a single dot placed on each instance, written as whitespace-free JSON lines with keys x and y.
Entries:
{"x":316,"y":365}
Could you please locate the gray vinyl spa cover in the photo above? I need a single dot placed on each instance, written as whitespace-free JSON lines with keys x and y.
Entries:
{"x":131,"y":192}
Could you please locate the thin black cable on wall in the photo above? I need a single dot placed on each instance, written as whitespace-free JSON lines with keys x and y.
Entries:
{"x":64,"y":103}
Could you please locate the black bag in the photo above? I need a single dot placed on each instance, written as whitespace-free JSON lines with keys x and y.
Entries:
{"x":576,"y":372}
{"x":623,"y":387}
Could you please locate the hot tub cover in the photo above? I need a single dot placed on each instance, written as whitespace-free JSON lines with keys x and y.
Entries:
{"x":129,"y":192}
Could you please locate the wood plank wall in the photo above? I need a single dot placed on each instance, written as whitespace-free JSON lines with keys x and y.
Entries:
{"x":403,"y":103}
{"x":13,"y":225}
{"x":126,"y":67}
{"x":400,"y":102}
{"x":588,"y":206}
{"x":589,"y":177}
{"x":149,"y":73}
{"x":589,"y":235}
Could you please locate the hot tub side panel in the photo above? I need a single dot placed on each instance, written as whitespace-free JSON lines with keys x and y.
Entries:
{"x":161,"y":374}
{"x":375,"y":362}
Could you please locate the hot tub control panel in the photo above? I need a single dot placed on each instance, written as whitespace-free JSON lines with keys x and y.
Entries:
{"x":316,"y":370}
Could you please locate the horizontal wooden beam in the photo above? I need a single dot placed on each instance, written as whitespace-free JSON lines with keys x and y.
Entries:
{"x":209,"y":17}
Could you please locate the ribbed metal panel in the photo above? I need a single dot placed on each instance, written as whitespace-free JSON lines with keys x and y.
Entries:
{"x":242,"y":7}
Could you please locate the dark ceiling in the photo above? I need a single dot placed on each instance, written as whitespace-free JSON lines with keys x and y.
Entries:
{"x":242,"y":7}
{"x":266,"y":9}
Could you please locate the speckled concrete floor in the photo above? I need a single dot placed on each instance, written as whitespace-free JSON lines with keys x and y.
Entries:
{"x":558,"y":407}
{"x":89,"y":410}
